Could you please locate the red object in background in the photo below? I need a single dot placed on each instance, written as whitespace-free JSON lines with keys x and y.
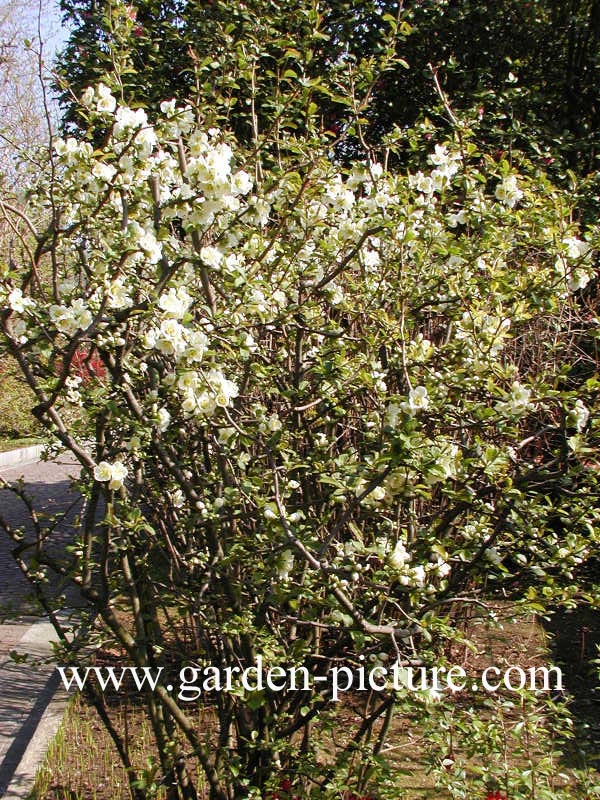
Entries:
{"x":497,"y":795}
{"x":285,"y":787}
{"x":87,"y":366}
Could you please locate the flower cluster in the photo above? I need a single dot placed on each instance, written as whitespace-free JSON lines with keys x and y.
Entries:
{"x":113,"y":474}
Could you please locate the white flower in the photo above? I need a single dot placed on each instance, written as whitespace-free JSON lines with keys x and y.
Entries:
{"x":399,"y":556}
{"x":151,"y":247}
{"x":442,"y":568}
{"x":106,"y":102}
{"x":508,"y":192}
{"x":417,"y":575}
{"x":177,"y":498}
{"x":87,"y":98}
{"x":175,"y":302}
{"x":578,"y":279}
{"x":118,"y":297}
{"x":273,"y":423}
{"x":211,"y":256}
{"x":18,"y":331}
{"x":70,"y":319}
{"x":127,"y":119}
{"x":459,"y":218}
{"x":285,"y":564}
{"x":226,"y":435}
{"x":103,"y":471}
{"x":418,"y":400}
{"x":115,"y":473}
{"x":104,"y":172}
{"x":17,"y":301}
{"x":163,"y":419}
{"x":224,"y":390}
{"x":519,"y":400}
{"x":118,"y":475}
{"x":145,"y":141}
{"x":241,"y":183}
{"x":196,"y":343}
{"x":578,"y":416}
{"x":576,"y":248}
{"x":169,"y":339}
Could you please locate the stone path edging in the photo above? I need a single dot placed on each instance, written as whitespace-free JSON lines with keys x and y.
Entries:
{"x":23,"y":455}
{"x":32,"y":698}
{"x":32,"y":704}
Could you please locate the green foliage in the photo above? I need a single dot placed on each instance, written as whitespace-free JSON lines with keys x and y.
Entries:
{"x":525,"y":71}
{"x":16,"y":419}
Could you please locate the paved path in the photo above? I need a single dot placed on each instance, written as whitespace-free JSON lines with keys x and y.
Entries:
{"x":49,"y":486}
{"x":30,"y":708}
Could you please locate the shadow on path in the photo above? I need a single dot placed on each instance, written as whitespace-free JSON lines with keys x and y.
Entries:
{"x":57,"y":506}
{"x":575,"y":641}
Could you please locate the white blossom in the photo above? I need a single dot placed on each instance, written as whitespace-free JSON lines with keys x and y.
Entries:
{"x":508,"y":192}
{"x":114,"y":473}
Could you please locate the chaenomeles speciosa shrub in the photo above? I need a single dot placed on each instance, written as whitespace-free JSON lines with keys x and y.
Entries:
{"x":321,"y":414}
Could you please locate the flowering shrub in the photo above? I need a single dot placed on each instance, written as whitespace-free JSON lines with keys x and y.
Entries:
{"x":324,"y":421}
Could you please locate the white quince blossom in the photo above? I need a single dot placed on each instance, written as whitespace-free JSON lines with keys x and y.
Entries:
{"x":418,"y":575}
{"x":241,"y":183}
{"x":374,"y":497}
{"x":422,"y":183}
{"x":577,"y":274}
{"x":70,"y":319}
{"x":118,"y":296}
{"x":106,"y":102}
{"x":163,"y":419}
{"x":211,"y":256}
{"x":87,"y":98}
{"x":458,"y":218}
{"x":399,"y":556}
{"x":285,"y":564}
{"x":175,"y":302}
{"x":144,"y":240}
{"x":18,"y":330}
{"x":420,"y":349}
{"x":104,"y":172}
{"x":578,"y":417}
{"x":226,"y":435}
{"x":177,"y":498}
{"x":576,"y":248}
{"x":519,"y":401}
{"x":73,"y":394}
{"x":18,"y":302}
{"x":196,"y":344}
{"x":224,"y":390}
{"x":170,"y":337}
{"x":71,"y":151}
{"x":114,"y":473}
{"x":508,"y":192}
{"x":151,"y":247}
{"x":418,"y":400}
{"x":442,"y":568}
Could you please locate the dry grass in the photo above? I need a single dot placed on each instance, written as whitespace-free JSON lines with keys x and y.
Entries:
{"x":83,"y":764}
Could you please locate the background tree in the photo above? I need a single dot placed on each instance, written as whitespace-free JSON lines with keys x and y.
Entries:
{"x":525,"y":71}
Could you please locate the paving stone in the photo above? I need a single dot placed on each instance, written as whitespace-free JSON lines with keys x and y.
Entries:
{"x":28,"y":689}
